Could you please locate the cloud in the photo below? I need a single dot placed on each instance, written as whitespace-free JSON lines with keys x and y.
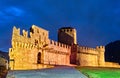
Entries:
{"x":97,"y":21}
{"x":14,"y":11}
{"x":10,"y":13}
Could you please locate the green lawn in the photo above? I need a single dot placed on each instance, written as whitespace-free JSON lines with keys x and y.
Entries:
{"x":92,"y":72}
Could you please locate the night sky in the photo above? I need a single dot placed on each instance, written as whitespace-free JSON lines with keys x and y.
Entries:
{"x":97,"y":21}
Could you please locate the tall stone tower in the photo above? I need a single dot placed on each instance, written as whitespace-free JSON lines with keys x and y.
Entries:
{"x":67,"y":35}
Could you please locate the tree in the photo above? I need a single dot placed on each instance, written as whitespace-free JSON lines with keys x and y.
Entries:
{"x":112,"y":51}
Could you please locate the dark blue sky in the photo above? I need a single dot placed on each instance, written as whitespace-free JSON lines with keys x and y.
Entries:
{"x":97,"y":21}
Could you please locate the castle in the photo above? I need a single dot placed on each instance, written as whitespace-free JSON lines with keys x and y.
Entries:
{"x":35,"y":50}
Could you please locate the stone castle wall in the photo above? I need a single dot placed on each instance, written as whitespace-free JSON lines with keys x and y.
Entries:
{"x":36,"y":51}
{"x":57,"y":53}
{"x":87,"y":56}
{"x":90,"y":56}
{"x":23,"y":54}
{"x":93,"y":57}
{"x":112,"y":64}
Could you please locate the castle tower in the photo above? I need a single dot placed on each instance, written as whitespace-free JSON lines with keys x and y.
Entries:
{"x":67,"y":35}
{"x":101,"y":51}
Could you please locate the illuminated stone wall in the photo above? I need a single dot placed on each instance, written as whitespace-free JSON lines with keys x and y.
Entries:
{"x":57,"y":53}
{"x":91,"y":56}
{"x":112,"y":64}
{"x":36,"y":51}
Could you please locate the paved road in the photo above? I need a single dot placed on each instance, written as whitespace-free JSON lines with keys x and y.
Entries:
{"x":57,"y":72}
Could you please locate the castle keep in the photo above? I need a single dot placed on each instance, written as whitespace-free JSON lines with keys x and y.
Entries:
{"x":34,"y":50}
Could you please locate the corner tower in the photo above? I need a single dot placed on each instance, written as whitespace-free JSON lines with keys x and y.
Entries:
{"x":101,"y":51}
{"x":67,"y":35}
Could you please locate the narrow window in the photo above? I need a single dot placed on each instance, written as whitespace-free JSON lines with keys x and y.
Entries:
{"x":39,"y":58}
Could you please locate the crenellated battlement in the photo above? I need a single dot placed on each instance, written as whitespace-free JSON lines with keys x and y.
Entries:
{"x":16,"y":31}
{"x":25,"y":33}
{"x":34,"y":30}
{"x":16,"y":36}
{"x":101,"y":48}
{"x":67,"y":29}
{"x":38,"y":36}
{"x":16,"y":44}
{"x":87,"y":50}
{"x":58,"y":44}
{"x":92,"y":50}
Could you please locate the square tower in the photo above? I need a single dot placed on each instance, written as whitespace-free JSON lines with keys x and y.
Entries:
{"x":67,"y":35}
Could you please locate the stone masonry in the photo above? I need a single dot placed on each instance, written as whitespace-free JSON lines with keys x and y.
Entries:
{"x":34,"y":50}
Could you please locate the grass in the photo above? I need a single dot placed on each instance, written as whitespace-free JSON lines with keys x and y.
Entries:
{"x":93,"y":72}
